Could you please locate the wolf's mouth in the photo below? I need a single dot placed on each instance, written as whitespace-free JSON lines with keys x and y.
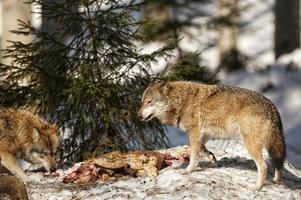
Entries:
{"x":148,"y":118}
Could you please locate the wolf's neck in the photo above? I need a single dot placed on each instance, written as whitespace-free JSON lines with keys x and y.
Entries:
{"x":170,"y":118}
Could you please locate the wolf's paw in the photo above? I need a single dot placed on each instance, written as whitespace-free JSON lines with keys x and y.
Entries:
{"x":212,"y":158}
{"x":258,"y":187}
{"x":185,"y":171}
{"x":188,"y":170}
{"x":278,"y":181}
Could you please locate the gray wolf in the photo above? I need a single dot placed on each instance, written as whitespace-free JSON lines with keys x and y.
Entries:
{"x":24,"y":135}
{"x":213,"y":111}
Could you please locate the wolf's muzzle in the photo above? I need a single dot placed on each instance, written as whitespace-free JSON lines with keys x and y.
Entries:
{"x":140,"y":115}
{"x":149,"y":117}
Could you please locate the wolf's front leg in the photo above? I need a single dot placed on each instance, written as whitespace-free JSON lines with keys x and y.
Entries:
{"x":9,"y":162}
{"x":195,"y":143}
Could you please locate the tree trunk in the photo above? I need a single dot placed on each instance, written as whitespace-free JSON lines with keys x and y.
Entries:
{"x":228,"y":30}
{"x":287,"y":26}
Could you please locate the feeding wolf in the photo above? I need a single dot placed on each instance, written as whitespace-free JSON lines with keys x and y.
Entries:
{"x":24,"y":135}
{"x":212,"y":111}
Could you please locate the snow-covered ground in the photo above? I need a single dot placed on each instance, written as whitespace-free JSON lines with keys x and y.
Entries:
{"x":232,"y":177}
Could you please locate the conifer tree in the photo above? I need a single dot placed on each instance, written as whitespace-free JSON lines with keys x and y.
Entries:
{"x":87,"y":75}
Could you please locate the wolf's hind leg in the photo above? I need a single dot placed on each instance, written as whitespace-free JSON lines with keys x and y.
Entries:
{"x":278,"y":178}
{"x":206,"y":152}
{"x":9,"y":162}
{"x":255,"y":150}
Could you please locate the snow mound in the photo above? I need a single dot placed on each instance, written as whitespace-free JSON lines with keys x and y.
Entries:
{"x":293,"y":59}
{"x":233,"y":176}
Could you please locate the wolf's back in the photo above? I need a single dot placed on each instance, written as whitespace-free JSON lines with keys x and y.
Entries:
{"x":14,"y":118}
{"x":8,"y":120}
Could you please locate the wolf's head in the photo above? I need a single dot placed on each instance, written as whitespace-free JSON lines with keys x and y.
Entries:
{"x":45,"y":147}
{"x":155,"y":102}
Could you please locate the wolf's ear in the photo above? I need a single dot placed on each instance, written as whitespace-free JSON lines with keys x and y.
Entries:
{"x":35,"y":135}
{"x":55,"y":142}
{"x":165,"y":88}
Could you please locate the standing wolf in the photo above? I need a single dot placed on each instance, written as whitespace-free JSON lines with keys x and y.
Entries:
{"x":26,"y":136}
{"x":212,"y":111}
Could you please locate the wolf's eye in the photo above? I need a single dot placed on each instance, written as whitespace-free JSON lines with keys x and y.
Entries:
{"x":44,"y":154}
{"x":149,"y":101}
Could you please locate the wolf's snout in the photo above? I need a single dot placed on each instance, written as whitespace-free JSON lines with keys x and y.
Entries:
{"x":145,"y":115}
{"x":140,"y":114}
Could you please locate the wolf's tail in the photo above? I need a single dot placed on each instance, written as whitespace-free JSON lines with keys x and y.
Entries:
{"x":276,"y":148}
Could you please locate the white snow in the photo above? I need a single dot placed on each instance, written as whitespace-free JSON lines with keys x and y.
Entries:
{"x":232,"y":177}
{"x":293,"y":58}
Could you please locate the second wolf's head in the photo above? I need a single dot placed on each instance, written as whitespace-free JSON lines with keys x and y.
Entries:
{"x":155,"y":102}
{"x":45,"y":147}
